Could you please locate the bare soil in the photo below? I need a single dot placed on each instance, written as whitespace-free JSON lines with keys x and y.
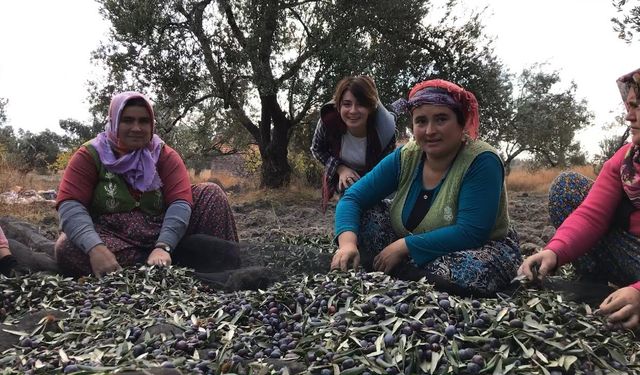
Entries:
{"x":265,"y":221}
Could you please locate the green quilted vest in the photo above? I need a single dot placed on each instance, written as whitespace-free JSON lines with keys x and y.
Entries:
{"x":111,"y":194}
{"x":445,"y":206}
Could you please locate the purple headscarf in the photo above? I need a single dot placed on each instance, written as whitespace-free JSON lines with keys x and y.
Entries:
{"x":137,"y":167}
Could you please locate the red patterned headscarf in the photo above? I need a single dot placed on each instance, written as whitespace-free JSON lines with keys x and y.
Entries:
{"x":630,"y":170}
{"x":441,"y":92}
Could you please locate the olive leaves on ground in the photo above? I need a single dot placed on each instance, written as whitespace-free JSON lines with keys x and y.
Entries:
{"x":348,"y":323}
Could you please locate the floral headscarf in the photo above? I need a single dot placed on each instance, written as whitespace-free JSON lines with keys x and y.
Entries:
{"x":629,"y":172}
{"x":137,"y":167}
{"x":441,"y":92}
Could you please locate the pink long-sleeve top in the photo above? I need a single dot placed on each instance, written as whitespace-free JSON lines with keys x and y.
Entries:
{"x":3,"y":239}
{"x":591,"y":220}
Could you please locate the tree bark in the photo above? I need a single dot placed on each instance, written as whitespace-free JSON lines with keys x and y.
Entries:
{"x":274,"y":153}
{"x":276,"y":171}
{"x":507,"y":161}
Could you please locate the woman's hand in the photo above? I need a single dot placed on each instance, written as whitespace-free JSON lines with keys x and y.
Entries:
{"x":346,"y":177}
{"x":159,"y":257}
{"x":102,"y":260}
{"x":391,"y":256}
{"x":623,"y":306}
{"x":539,"y":265}
{"x":347,"y":252}
{"x":4,"y":251}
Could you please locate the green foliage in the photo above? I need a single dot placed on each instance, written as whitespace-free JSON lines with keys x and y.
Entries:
{"x":544,"y":119}
{"x":62,"y":160}
{"x":3,"y":155}
{"x":26,"y":151}
{"x":3,"y":113}
{"x":37,"y":151}
{"x":302,"y":162}
{"x":260,"y":68}
{"x":627,"y":24}
{"x":610,"y":144}
{"x":204,"y":135}
{"x":78,"y":132}
{"x":307,"y":168}
{"x":252,"y":161}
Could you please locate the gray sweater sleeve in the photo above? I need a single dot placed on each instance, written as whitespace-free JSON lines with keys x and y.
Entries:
{"x":174,"y":225}
{"x":77,"y":224}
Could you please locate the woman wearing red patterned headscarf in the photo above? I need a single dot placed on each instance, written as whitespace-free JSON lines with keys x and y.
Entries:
{"x":599,"y":222}
{"x":125,"y":198}
{"x":449,"y":219}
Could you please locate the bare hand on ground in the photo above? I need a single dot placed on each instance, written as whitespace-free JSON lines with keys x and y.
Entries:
{"x":159,"y":257}
{"x":539,"y":265}
{"x":391,"y":256}
{"x":345,"y":255}
{"x":102,"y":261}
{"x":346,"y":177}
{"x":623,"y":306}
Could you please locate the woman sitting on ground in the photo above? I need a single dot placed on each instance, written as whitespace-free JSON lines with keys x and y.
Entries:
{"x":125,"y":198}
{"x":449,"y":216}
{"x":599,"y":222}
{"x":354,"y":133}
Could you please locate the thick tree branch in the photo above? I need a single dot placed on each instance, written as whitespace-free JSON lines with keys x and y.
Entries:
{"x":294,"y":4}
{"x":224,"y":92}
{"x":231,"y":20}
{"x":265,"y":36}
{"x":310,"y":96}
{"x":304,"y":25}
{"x":188,"y":108}
{"x":294,"y":68}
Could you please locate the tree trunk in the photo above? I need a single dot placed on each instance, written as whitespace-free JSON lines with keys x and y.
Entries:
{"x":508,"y":159}
{"x":276,"y":171}
{"x":507,"y":165}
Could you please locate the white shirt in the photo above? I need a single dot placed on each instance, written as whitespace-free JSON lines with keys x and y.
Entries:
{"x":353,"y":151}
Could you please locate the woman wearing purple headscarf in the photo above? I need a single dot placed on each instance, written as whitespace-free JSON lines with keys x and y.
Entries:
{"x":599,"y":222}
{"x":125,"y":198}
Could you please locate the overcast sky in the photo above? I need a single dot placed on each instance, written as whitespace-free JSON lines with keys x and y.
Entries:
{"x":46,"y":45}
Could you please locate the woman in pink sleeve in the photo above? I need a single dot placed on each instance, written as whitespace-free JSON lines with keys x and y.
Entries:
{"x":599,"y":222}
{"x":7,"y":262}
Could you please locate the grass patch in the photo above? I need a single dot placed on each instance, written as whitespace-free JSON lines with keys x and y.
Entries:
{"x":12,"y":180}
{"x":35,"y":212}
{"x":226,"y":180}
{"x":539,"y":181}
{"x":297,"y":193}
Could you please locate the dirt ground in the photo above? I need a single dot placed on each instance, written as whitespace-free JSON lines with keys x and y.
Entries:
{"x":272,"y":221}
{"x":291,"y":238}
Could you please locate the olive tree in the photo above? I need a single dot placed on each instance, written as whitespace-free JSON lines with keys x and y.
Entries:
{"x":264,"y":65}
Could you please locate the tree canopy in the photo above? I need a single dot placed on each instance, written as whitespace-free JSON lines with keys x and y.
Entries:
{"x":264,"y":66}
{"x":26,"y":151}
{"x":627,"y":24}
{"x":544,"y":120}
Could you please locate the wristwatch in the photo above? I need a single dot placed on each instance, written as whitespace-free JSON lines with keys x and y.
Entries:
{"x":164,"y":247}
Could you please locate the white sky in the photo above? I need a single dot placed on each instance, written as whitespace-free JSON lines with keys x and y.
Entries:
{"x":45,"y":49}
